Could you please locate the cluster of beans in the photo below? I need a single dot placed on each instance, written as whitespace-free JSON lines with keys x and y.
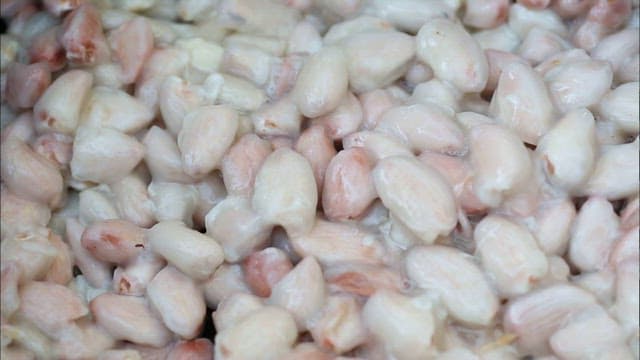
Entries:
{"x":320,"y":179}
